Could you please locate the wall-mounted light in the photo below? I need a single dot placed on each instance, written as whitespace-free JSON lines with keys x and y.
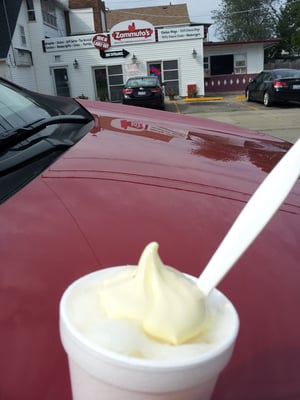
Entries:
{"x":134,"y":59}
{"x":75,"y":64}
{"x":194,"y":53}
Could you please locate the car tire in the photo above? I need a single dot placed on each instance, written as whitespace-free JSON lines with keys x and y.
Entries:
{"x":266,"y":99}
{"x":248,"y":96}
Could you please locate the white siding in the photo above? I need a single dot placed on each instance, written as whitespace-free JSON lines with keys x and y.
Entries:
{"x":40,"y":59}
{"x":21,"y":75}
{"x":4,"y":70}
{"x":81,"y":79}
{"x":35,"y":77}
{"x":22,"y":21}
{"x":255,"y":59}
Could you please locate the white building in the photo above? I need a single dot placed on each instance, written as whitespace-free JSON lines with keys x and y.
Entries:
{"x":23,"y":26}
{"x":173,"y":53}
{"x":228,"y":66}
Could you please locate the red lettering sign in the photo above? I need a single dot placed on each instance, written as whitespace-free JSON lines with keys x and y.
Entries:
{"x":133,"y":33}
{"x":101,"y":42}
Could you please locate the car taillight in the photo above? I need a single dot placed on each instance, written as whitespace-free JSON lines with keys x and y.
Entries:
{"x":279,"y":84}
{"x":156,"y":90}
{"x":127,"y":91}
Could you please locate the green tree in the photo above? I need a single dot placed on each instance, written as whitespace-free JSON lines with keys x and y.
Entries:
{"x":246,"y":19}
{"x":288,"y":29}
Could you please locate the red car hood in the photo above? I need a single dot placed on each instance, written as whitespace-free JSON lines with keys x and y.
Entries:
{"x":179,"y":181}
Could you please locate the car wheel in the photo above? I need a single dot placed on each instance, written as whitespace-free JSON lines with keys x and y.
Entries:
{"x":267,"y":100}
{"x":248,"y":96}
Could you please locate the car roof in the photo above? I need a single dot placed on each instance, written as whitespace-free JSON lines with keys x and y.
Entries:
{"x":280,"y":70}
{"x":148,"y":78}
{"x":143,"y":77}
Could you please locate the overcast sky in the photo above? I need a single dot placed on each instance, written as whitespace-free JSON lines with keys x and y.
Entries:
{"x":199,"y":10}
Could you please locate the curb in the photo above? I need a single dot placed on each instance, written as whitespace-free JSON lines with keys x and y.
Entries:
{"x":193,"y":100}
{"x":199,"y":99}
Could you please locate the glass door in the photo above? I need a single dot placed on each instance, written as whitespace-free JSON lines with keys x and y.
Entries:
{"x":154,"y":69}
{"x":167,"y":72}
{"x":61,"y":82}
{"x":101,"y":84}
{"x":109,"y":82}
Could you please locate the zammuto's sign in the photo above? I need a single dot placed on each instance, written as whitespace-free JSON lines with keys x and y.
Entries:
{"x":128,"y":32}
{"x":180,"y":33}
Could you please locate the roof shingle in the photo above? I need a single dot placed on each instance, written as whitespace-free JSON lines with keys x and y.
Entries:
{"x":9,"y":11}
{"x":172,"y":14}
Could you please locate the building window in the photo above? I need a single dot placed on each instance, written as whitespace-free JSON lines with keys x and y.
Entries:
{"x":206,"y":66}
{"x":82,"y":21}
{"x":205,"y":63}
{"x":48,"y":12}
{"x":23,"y":57}
{"x":240,"y":66}
{"x":167,"y":72}
{"x":30,"y":10}
{"x":103,"y":21}
{"x":228,"y":64}
{"x":221,"y":65}
{"x":22,"y":35}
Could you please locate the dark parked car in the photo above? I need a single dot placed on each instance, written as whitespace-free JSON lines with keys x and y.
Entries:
{"x":86,"y":185}
{"x":145,"y":91}
{"x":275,"y":86}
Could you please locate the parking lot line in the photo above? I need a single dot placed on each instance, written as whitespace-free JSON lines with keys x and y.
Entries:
{"x":241,"y":100}
{"x":176,"y":105}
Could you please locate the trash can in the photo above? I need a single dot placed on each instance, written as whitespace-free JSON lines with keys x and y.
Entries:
{"x":191,"y":90}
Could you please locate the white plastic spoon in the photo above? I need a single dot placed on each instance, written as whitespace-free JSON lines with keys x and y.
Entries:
{"x":256,"y":214}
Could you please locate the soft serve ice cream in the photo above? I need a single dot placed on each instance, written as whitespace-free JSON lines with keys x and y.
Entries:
{"x":164,"y":302}
{"x":149,"y":311}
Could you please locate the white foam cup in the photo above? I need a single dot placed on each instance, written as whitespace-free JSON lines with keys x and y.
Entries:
{"x":101,"y":374}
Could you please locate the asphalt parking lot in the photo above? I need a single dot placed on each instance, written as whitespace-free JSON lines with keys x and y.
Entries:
{"x":281,"y":121}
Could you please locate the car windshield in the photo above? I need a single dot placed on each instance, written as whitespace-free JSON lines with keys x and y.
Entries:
{"x":16,"y":110}
{"x":34,"y":131}
{"x":143,"y":82}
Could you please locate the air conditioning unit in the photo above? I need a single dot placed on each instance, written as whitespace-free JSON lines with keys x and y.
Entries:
{"x":23,"y":58}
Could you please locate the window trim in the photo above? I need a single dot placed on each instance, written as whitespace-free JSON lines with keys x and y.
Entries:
{"x":22,"y":35}
{"x":240,"y":64}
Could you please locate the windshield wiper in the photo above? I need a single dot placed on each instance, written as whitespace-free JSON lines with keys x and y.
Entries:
{"x":38,"y":150}
{"x":11,"y":138}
